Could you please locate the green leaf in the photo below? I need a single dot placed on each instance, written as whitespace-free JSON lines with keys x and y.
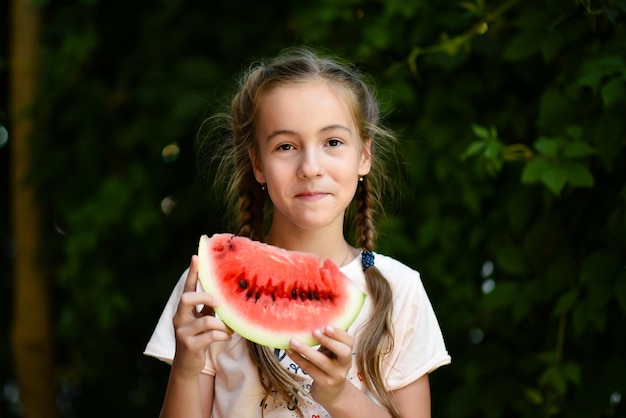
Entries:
{"x":523,"y":45}
{"x":555,"y":178}
{"x":551,"y":45}
{"x":549,"y":146}
{"x":578,"y":174}
{"x":612,"y":91}
{"x":571,"y":371}
{"x":566,"y":302}
{"x":534,"y":169}
{"x":473,"y":149}
{"x":493,"y":151}
{"x":600,"y":263}
{"x":595,"y":70}
{"x":574,"y":131}
{"x":481,"y":131}
{"x":534,"y":396}
{"x":591,"y":80}
{"x":577,"y":149}
{"x":510,"y":260}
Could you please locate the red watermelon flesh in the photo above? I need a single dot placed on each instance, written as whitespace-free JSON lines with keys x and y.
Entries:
{"x":270,"y":295}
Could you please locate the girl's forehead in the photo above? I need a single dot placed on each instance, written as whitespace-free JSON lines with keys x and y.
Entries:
{"x":305,"y":101}
{"x":298,"y":93}
{"x":314,"y":84}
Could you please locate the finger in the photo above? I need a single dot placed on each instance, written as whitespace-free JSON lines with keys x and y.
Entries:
{"x":305,"y":355}
{"x":315,"y":364}
{"x":334,"y":343}
{"x":192,"y":275}
{"x":192,"y":299}
{"x":204,"y":325}
{"x":188,"y":306}
{"x":338,"y":334}
{"x":297,"y":357}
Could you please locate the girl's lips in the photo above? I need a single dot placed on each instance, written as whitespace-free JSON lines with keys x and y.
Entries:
{"x":311,"y":196}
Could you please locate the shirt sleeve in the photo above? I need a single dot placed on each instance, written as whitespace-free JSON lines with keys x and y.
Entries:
{"x":419,"y":347}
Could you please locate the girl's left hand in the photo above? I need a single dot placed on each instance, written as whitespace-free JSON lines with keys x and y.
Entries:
{"x":328,"y":366}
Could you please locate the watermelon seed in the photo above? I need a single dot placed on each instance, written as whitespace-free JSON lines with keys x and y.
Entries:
{"x":303,"y":295}
{"x":248,"y":294}
{"x":294,"y":294}
{"x":316,"y":296}
{"x":243,"y":284}
{"x":257,"y":296}
{"x":310,"y":295}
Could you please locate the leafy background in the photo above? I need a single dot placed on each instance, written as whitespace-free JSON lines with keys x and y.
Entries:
{"x":513,"y":202}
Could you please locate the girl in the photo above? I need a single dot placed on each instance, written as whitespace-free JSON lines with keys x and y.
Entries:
{"x":304,"y":143}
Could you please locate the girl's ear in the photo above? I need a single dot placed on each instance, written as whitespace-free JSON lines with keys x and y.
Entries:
{"x":366,"y":157}
{"x":257,"y":167}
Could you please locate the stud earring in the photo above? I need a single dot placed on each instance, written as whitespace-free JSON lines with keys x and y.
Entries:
{"x":361,"y":178}
{"x":263,"y":186}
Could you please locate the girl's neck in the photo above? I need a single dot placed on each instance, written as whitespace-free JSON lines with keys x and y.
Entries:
{"x":326,"y":244}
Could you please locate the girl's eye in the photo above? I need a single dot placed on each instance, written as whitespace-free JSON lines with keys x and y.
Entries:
{"x":334,"y":142}
{"x":285,"y":147}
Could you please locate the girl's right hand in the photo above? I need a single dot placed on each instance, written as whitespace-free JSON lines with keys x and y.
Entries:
{"x":195,"y":330}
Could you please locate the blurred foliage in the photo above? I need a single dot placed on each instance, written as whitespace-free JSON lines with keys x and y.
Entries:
{"x":514,"y":137}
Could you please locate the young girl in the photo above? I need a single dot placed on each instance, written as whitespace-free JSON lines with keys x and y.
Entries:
{"x":305,"y":144}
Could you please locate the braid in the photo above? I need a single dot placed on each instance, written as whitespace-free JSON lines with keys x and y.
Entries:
{"x":366,"y":231}
{"x":275,"y":379}
{"x":251,"y":205}
{"x":371,"y":351}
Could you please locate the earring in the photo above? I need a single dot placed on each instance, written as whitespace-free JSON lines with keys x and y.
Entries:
{"x":263,"y":186}
{"x":361,"y":178}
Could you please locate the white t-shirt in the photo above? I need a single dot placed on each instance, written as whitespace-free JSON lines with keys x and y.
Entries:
{"x":418,"y":348}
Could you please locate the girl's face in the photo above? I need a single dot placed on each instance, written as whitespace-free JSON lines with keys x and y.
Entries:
{"x":309,"y":154}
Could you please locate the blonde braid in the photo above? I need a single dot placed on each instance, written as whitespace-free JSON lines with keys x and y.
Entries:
{"x":377,"y":334}
{"x":251,"y":209}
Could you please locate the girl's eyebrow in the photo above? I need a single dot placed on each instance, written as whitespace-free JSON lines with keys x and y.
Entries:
{"x":333,"y":127}
{"x":293,"y":133}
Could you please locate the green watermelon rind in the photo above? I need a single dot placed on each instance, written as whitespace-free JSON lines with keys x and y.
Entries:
{"x":256,"y":333}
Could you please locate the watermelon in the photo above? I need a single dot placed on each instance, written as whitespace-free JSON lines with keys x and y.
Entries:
{"x":270,"y":295}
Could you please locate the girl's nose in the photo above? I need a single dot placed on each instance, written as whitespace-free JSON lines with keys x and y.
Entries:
{"x":310,"y":164}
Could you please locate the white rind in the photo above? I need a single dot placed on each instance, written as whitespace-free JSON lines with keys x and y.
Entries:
{"x":256,"y":333}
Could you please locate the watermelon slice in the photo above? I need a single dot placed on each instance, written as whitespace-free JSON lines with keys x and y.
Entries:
{"x":270,"y":295}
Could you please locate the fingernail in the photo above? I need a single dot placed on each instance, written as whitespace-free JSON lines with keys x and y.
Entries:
{"x":330,"y":328}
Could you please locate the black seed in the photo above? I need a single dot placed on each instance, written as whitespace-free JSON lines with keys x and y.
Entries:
{"x":273,"y":298}
{"x":248,"y":293}
{"x":316,"y":296}
{"x":294,"y":294}
{"x":303,"y":295}
{"x":257,"y":296}
{"x":243,"y":284}
{"x":310,"y":295}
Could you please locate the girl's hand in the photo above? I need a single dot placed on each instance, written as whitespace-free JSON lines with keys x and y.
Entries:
{"x":328,"y":366}
{"x":195,"y":330}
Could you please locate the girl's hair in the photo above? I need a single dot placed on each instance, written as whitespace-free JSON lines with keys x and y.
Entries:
{"x":248,"y":203}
